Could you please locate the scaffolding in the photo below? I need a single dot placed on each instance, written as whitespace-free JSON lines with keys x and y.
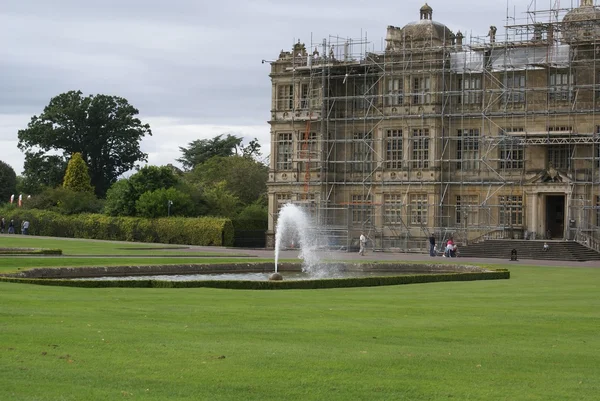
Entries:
{"x":495,"y":138}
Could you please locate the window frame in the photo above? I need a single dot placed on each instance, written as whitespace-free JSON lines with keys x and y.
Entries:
{"x":420,"y":147}
{"x":468,"y":143}
{"x":285,"y":96}
{"x":511,"y":208}
{"x":515,"y":84}
{"x":362,"y":152}
{"x":470,"y":89}
{"x":285,"y":151}
{"x":394,"y":95}
{"x":419,"y":206}
{"x":394,"y":152}
{"x":393,"y":208}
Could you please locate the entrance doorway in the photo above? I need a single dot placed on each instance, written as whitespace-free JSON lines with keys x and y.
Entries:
{"x":555,"y":216}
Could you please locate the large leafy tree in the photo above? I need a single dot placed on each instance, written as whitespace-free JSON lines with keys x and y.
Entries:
{"x":42,"y":171}
{"x":151,"y":178}
{"x":243,"y":177}
{"x":220,"y":201}
{"x":8,"y":182}
{"x":104,"y":129}
{"x":77,"y":178}
{"x":121,"y":198}
{"x":200,"y":150}
{"x":164,"y":202}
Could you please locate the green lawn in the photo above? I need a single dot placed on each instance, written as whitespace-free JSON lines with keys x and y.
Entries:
{"x":533,"y":337}
{"x":89,"y":247}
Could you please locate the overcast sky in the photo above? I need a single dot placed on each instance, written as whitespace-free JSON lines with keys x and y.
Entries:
{"x":192,"y":67}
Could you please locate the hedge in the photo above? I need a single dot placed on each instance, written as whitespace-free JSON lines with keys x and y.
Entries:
{"x":206,"y":231}
{"x":272,"y":285}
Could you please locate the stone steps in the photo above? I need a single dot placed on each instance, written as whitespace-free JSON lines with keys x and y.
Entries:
{"x":501,"y":249}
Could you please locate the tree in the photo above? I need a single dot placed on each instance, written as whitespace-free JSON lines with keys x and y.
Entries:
{"x":154,"y":204}
{"x":42,"y":171}
{"x":65,"y":201}
{"x":151,"y":178}
{"x":77,"y":178}
{"x":104,"y":129}
{"x":252,"y":149}
{"x":201,"y":150}
{"x":244,"y":177}
{"x":220,"y":201}
{"x":120,"y":199}
{"x":253,"y":217}
{"x":123,"y":195}
{"x":8,"y":182}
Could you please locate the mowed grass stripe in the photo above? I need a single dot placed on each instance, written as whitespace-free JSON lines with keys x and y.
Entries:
{"x":75,"y":246}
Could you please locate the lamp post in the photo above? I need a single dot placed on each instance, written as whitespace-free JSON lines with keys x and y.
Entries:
{"x":169,"y":203}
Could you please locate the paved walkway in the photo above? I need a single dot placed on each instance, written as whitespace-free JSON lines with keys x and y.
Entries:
{"x":343,"y":255}
{"x":392,"y":256}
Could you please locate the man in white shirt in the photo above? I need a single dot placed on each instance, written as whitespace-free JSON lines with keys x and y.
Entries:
{"x":363,"y":244}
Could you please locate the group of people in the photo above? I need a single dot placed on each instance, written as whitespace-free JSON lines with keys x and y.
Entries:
{"x":450,"y":250}
{"x":10,"y":229}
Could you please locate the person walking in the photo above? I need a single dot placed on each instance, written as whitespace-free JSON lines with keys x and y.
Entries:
{"x":363,"y":243}
{"x":25,"y":227}
{"x":11,"y":227}
{"x":432,"y":245}
{"x":2,"y":226}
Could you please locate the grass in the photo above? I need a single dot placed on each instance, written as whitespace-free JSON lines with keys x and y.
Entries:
{"x":88,"y":247}
{"x":533,"y":337}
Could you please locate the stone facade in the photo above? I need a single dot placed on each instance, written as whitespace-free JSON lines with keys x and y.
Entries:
{"x":493,"y":139}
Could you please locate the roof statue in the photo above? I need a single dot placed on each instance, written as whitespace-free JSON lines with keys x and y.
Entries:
{"x":492,"y":34}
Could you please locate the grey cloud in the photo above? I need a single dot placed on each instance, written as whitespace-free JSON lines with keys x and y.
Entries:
{"x":194,"y":61}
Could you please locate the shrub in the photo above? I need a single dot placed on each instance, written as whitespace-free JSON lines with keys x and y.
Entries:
{"x":77,"y":177}
{"x":120,"y":199}
{"x":252,"y":217}
{"x":122,"y":196}
{"x":65,"y":201}
{"x":162,"y":202}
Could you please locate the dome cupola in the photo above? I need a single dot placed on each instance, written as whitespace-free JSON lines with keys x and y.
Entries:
{"x":426,"y":31}
{"x":582,"y":24}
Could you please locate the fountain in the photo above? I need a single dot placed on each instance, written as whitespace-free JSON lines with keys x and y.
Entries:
{"x":295,"y":227}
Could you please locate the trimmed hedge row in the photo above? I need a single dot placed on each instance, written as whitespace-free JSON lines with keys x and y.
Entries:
{"x":273,"y":285}
{"x":207,"y":231}
{"x":17,"y":251}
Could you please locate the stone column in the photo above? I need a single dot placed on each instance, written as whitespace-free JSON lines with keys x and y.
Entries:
{"x":534,"y":215}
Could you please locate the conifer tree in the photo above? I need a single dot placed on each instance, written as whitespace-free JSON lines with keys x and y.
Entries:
{"x":77,"y":177}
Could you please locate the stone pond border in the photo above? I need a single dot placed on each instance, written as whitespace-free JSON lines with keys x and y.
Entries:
{"x":411,"y":274}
